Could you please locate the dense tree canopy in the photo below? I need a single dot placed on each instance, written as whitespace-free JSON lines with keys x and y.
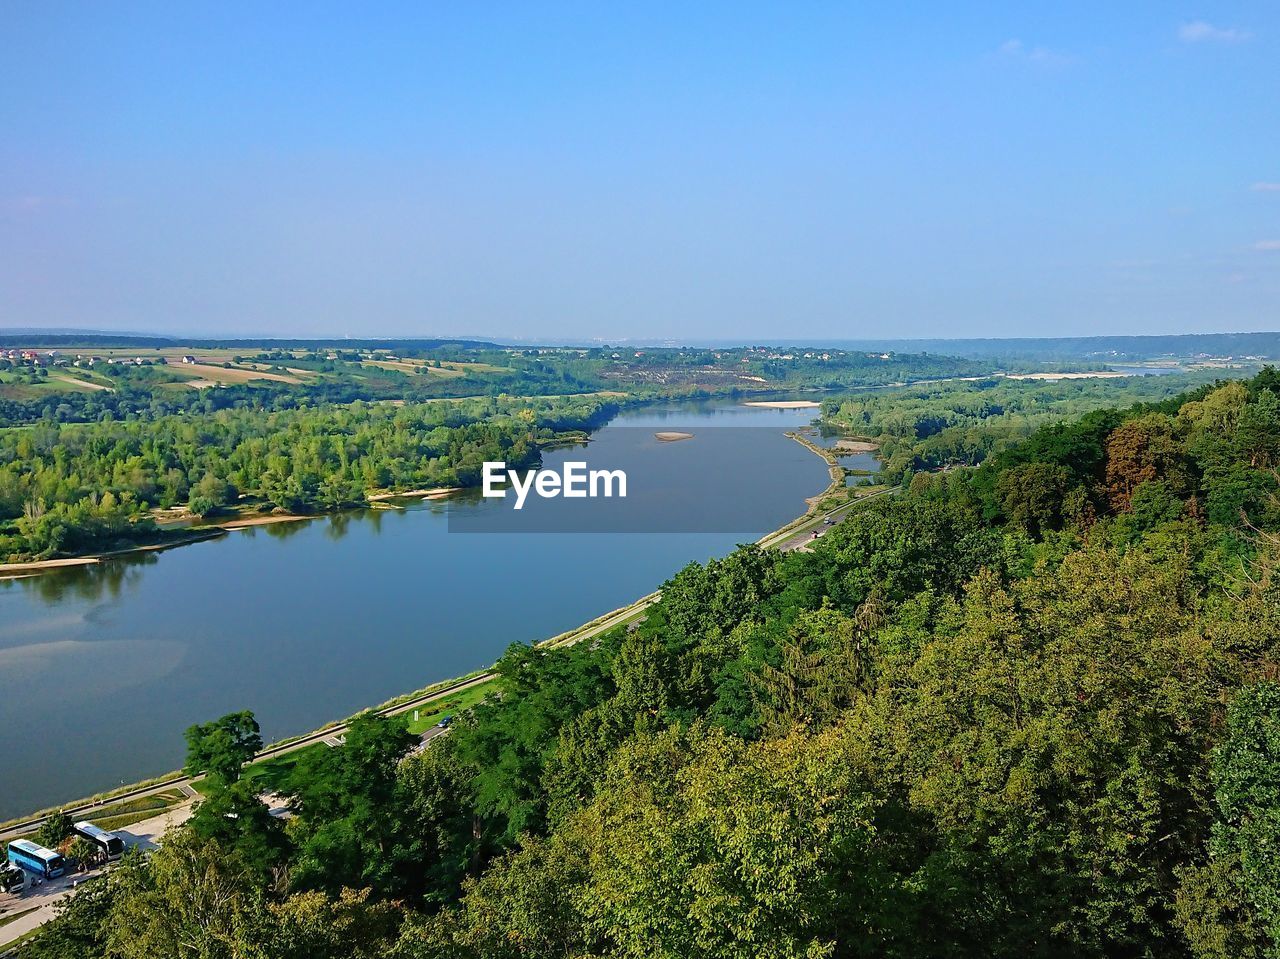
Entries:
{"x":72,"y":489}
{"x":1027,"y":709}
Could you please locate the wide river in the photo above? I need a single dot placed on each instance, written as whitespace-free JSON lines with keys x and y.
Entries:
{"x":102,"y":668}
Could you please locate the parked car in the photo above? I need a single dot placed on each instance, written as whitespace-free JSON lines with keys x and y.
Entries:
{"x":12,"y":879}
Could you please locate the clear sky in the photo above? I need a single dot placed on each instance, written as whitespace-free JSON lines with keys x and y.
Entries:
{"x":736,"y":170}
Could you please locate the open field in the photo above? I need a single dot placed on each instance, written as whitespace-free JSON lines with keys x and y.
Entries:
{"x":58,"y":381}
{"x":476,"y":367}
{"x":412,"y":368}
{"x":204,"y":374}
{"x":209,"y":370}
{"x":420,"y":367}
{"x":218,"y":367}
{"x":76,"y":382}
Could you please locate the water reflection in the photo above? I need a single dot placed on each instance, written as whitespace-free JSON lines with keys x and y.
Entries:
{"x":286,"y":529}
{"x":110,"y":578}
{"x":337,"y":526}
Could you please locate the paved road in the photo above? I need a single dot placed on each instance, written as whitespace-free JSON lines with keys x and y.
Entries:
{"x":145,"y":835}
{"x":802,"y":535}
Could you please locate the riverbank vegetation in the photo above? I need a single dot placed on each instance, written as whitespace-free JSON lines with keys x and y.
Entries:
{"x":1024,"y":709}
{"x":75,"y":489}
{"x":961,"y":422}
{"x":70,"y":489}
{"x":119,"y":432}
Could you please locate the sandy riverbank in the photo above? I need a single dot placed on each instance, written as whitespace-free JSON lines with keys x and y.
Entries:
{"x":436,"y":493}
{"x":785,"y":404}
{"x":196,"y":534}
{"x":23,"y":570}
{"x":270,"y":520}
{"x":855,"y":446}
{"x":1099,"y":375}
{"x":40,"y":564}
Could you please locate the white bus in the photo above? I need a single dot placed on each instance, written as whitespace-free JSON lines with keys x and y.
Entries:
{"x":111,"y":845}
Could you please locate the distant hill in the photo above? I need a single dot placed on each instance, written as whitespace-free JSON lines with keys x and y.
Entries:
{"x":71,"y":339}
{"x":1096,"y":349}
{"x":1091,"y":348}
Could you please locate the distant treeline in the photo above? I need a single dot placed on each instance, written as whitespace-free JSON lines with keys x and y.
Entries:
{"x":29,"y":339}
{"x":1096,"y":348}
{"x":1048,"y":349}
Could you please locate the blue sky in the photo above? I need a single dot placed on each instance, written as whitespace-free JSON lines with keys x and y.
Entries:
{"x":734,"y":170}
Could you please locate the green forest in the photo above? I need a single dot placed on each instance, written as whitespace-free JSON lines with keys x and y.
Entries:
{"x":930,"y":425}
{"x":71,"y":488}
{"x":1030,"y":708}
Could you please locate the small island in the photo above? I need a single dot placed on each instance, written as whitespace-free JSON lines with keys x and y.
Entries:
{"x":669,"y":437}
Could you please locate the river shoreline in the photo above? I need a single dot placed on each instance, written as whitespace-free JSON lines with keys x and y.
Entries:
{"x":775,"y":538}
{"x":219,"y":527}
{"x":26,"y":570}
{"x":198,"y":534}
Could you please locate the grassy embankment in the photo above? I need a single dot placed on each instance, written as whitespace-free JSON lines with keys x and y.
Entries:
{"x":5,"y":920}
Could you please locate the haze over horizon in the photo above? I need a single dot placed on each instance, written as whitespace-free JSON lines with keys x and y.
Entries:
{"x":744,"y":172}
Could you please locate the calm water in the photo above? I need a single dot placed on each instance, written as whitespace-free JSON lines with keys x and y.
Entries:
{"x":101,"y":669}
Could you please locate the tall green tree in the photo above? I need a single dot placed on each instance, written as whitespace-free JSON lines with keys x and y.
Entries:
{"x":54,"y":830}
{"x":220,"y":749}
{"x":1246,"y":776}
{"x":231,"y":814}
{"x":348,"y":832}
